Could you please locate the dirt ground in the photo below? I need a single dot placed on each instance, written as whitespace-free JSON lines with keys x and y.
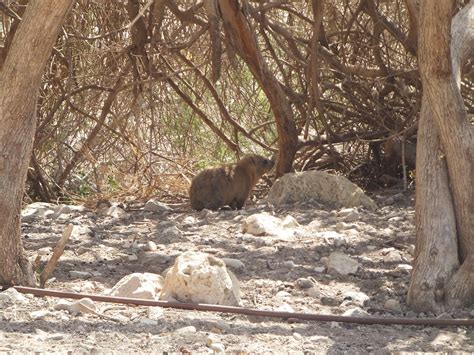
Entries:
{"x":278,"y":274}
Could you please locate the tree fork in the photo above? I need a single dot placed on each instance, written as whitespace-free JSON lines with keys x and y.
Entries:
{"x":244,"y":40}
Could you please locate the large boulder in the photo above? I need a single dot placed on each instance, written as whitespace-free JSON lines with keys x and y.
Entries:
{"x":201,"y":278}
{"x":319,"y":185}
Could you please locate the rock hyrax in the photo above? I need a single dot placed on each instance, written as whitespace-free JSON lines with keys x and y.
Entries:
{"x":229,"y":184}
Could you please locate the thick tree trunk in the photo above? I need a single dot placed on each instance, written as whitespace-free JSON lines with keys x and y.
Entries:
{"x":443,"y":276}
{"x":245,"y":43}
{"x":436,"y":245}
{"x":20,"y":79}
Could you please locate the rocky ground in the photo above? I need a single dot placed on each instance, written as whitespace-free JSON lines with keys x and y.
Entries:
{"x":289,"y":270}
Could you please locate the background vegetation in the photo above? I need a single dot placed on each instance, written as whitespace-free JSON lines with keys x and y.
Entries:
{"x":139,"y":95}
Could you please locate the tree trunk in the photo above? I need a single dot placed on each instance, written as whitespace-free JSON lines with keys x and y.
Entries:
{"x":20,"y":79}
{"x":443,"y":274}
{"x":245,"y":42}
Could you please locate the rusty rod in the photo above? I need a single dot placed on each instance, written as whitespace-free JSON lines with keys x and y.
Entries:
{"x":248,"y":311}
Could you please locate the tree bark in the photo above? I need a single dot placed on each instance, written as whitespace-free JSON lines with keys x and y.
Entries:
{"x":245,"y":42}
{"x":443,"y":274}
{"x":20,"y":79}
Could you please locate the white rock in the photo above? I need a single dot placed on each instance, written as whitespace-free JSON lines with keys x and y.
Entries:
{"x":233,"y":263}
{"x":319,"y":185}
{"x":132,"y":257}
{"x":62,"y":305}
{"x":84,"y":305}
{"x":319,"y":269}
{"x":155,"y":313}
{"x":265,"y":224}
{"x":404,"y":267}
{"x":148,"y":322}
{"x":393,"y":256}
{"x":184,"y":330}
{"x":289,"y":222}
{"x":145,"y":286}
{"x":297,"y":336}
{"x":411,"y":250}
{"x":214,"y":344}
{"x":191,"y":221}
{"x":357,"y":297}
{"x":44,"y":251}
{"x":392,"y":305}
{"x":150,"y":246}
{"x":341,"y":226}
{"x":156,"y":206}
{"x":356,"y":312}
{"x":283,"y":294}
{"x":342,"y":264}
{"x":37,"y":210}
{"x":285,"y":307}
{"x":387,"y":232}
{"x":290,"y":264}
{"x":39,"y":314}
{"x":67,"y":209}
{"x":201,"y":278}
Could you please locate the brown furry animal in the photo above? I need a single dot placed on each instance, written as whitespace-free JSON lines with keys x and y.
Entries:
{"x":229,"y":184}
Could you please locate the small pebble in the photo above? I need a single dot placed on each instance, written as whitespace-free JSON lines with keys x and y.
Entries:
{"x":297,"y":336}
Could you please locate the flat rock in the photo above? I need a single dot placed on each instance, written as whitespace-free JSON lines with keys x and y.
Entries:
{"x":37,"y":210}
{"x":233,"y":263}
{"x":138,"y":285}
{"x":342,"y":264}
{"x":356,"y":312}
{"x":260,"y":224}
{"x":303,"y":186}
{"x":156,"y":206}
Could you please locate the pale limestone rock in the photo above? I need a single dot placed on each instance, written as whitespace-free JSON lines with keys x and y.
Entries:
{"x":356,"y":312}
{"x":146,"y":286}
{"x":260,"y":224}
{"x":392,"y":305}
{"x":233,"y":263}
{"x":84,"y":305}
{"x":156,"y":206}
{"x":37,"y":210}
{"x":319,"y":185}
{"x":150,"y":246}
{"x":201,"y":278}
{"x":342,"y":264}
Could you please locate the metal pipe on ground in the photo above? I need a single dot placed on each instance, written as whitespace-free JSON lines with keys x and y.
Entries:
{"x":248,"y":311}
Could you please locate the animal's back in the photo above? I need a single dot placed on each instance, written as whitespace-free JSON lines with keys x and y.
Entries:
{"x":209,"y":188}
{"x":228,"y":185}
